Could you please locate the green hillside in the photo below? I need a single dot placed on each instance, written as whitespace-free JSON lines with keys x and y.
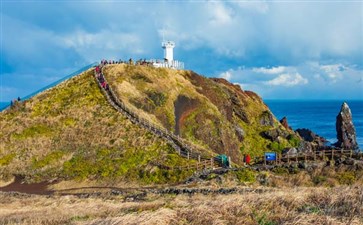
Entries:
{"x":71,"y":132}
{"x":209,"y":112}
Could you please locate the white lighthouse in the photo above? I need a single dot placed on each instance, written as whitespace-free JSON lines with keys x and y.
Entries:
{"x":168,"y":47}
{"x":168,"y":61}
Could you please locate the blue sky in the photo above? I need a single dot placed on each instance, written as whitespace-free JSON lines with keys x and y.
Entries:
{"x":279,"y":49}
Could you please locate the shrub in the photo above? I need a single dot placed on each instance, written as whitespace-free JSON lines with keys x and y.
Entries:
{"x":47,"y":160}
{"x":319,"y":179}
{"x":158,"y":98}
{"x":280,"y":170}
{"x":36,"y":130}
{"x":276,"y":147}
{"x":6,"y":159}
{"x":246,"y":175}
{"x":347,"y":178}
{"x":293,"y":140}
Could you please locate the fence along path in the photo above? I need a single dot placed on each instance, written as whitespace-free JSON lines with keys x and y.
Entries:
{"x":183,"y":147}
{"x":322,"y":155}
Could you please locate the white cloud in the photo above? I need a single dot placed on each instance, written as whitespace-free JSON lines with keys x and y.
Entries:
{"x":226,"y":75}
{"x":288,"y":80}
{"x":333,"y":72}
{"x":213,"y":36}
{"x":220,"y":14}
{"x":103,"y":41}
{"x":273,"y":70}
{"x":310,"y":80}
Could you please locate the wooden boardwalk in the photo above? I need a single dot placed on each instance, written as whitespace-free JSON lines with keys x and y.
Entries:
{"x":322,"y":155}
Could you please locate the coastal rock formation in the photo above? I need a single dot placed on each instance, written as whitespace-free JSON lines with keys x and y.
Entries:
{"x":274,"y":134}
{"x":306,"y":134}
{"x":284,"y":123}
{"x":316,"y":142}
{"x":266,"y":119}
{"x":346,"y":134}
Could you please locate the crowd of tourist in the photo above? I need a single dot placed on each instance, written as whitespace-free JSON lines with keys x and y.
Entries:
{"x":100,"y":76}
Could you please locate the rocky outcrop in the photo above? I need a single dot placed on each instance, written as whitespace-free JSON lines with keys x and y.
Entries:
{"x":311,"y":140}
{"x":275,"y":134}
{"x":266,"y":119}
{"x":284,"y":123}
{"x":346,"y":134}
{"x":306,"y":134}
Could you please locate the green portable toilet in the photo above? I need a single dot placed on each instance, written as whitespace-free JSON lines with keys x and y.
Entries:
{"x":223,"y":160}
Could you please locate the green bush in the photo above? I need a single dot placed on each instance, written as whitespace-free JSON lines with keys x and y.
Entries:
{"x":158,"y":98}
{"x":276,"y":147}
{"x":6,"y":159}
{"x":47,"y":160}
{"x":319,"y":179}
{"x":33,"y":131}
{"x":280,"y":170}
{"x":347,"y":178}
{"x":294,"y":141}
{"x":246,"y":175}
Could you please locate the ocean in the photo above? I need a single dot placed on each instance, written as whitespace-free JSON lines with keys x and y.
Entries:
{"x":318,"y":116}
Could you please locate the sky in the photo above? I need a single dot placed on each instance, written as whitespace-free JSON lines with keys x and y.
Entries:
{"x":278,"y":49}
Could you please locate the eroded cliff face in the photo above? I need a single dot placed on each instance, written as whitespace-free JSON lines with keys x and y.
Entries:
{"x":346,"y":133}
{"x":210,"y":112}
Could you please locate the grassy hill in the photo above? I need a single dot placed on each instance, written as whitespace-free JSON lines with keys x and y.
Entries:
{"x":212,"y":113}
{"x":71,"y":132}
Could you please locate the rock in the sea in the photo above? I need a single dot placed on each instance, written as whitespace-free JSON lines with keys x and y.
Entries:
{"x":346,"y":134}
{"x":284,"y":123}
{"x":306,"y":134}
{"x":316,"y":142}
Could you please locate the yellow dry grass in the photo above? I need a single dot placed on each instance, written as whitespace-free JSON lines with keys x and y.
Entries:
{"x":340,"y":205}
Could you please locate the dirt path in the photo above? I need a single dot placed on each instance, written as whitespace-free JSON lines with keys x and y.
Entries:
{"x":19,"y":186}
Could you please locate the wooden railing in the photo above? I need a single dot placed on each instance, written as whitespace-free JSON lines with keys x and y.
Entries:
{"x":322,"y":155}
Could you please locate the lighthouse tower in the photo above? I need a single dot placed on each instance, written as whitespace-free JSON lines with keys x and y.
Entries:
{"x":168,"y":47}
{"x":168,"y":61}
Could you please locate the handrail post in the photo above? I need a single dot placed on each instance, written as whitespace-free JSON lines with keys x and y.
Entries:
{"x":332,"y":154}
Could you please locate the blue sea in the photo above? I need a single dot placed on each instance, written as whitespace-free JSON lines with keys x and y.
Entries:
{"x":318,"y":116}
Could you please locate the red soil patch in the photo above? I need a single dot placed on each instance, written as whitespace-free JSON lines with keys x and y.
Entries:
{"x":183,"y":107}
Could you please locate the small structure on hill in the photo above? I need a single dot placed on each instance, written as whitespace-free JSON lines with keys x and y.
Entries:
{"x":168,"y":61}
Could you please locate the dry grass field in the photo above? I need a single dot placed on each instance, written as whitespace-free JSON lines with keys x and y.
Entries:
{"x":309,"y":205}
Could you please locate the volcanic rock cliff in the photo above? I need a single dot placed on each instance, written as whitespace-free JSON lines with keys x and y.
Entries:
{"x":346,"y":134}
{"x":70,"y":131}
